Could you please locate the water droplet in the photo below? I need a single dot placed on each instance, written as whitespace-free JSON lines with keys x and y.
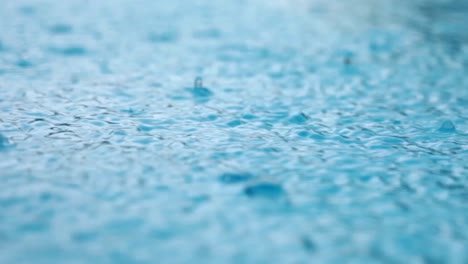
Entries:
{"x":200,"y":93}
{"x":198,"y":83}
{"x":447,"y":127}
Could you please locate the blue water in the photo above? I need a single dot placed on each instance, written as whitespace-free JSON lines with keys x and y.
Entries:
{"x":319,"y":131}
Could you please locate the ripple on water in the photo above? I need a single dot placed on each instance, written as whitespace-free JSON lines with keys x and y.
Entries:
{"x":201,"y":92}
{"x":299,"y":119}
{"x":447,"y":127}
{"x":99,"y":102}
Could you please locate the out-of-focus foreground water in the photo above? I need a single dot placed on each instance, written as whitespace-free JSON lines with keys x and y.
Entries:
{"x":324,"y":132}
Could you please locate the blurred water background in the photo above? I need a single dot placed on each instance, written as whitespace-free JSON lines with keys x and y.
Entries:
{"x":321,"y":131}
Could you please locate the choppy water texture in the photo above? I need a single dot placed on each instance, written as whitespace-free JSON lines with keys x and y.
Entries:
{"x":323,"y":131}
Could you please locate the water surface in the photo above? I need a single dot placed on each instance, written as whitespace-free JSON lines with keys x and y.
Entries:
{"x":323,"y":131}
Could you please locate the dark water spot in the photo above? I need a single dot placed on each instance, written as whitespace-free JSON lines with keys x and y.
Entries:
{"x":208,"y":34}
{"x":308,"y":244}
{"x":235,"y":123}
{"x":249,"y":116}
{"x":4,"y":142}
{"x":347,"y":61}
{"x":200,"y":199}
{"x":118,"y":257}
{"x":265,"y":190}
{"x":211,"y":117}
{"x":155,"y":84}
{"x":161,"y":233}
{"x":201,"y":92}
{"x":133,"y":112}
{"x":125,"y":225}
{"x":298,"y":119}
{"x":24,"y":64}
{"x":27,"y":10}
{"x":342,"y":56}
{"x":447,"y":127}
{"x":36,"y":226}
{"x":83,"y":237}
{"x":70,"y":51}
{"x":198,"y":83}
{"x":233,"y":178}
{"x":270,"y":150}
{"x":145,"y":128}
{"x":48,"y":197}
{"x":60,"y":29}
{"x":164,"y":37}
{"x":303,"y":133}
{"x":144,"y":141}
{"x":11,"y":201}
{"x":208,"y":118}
